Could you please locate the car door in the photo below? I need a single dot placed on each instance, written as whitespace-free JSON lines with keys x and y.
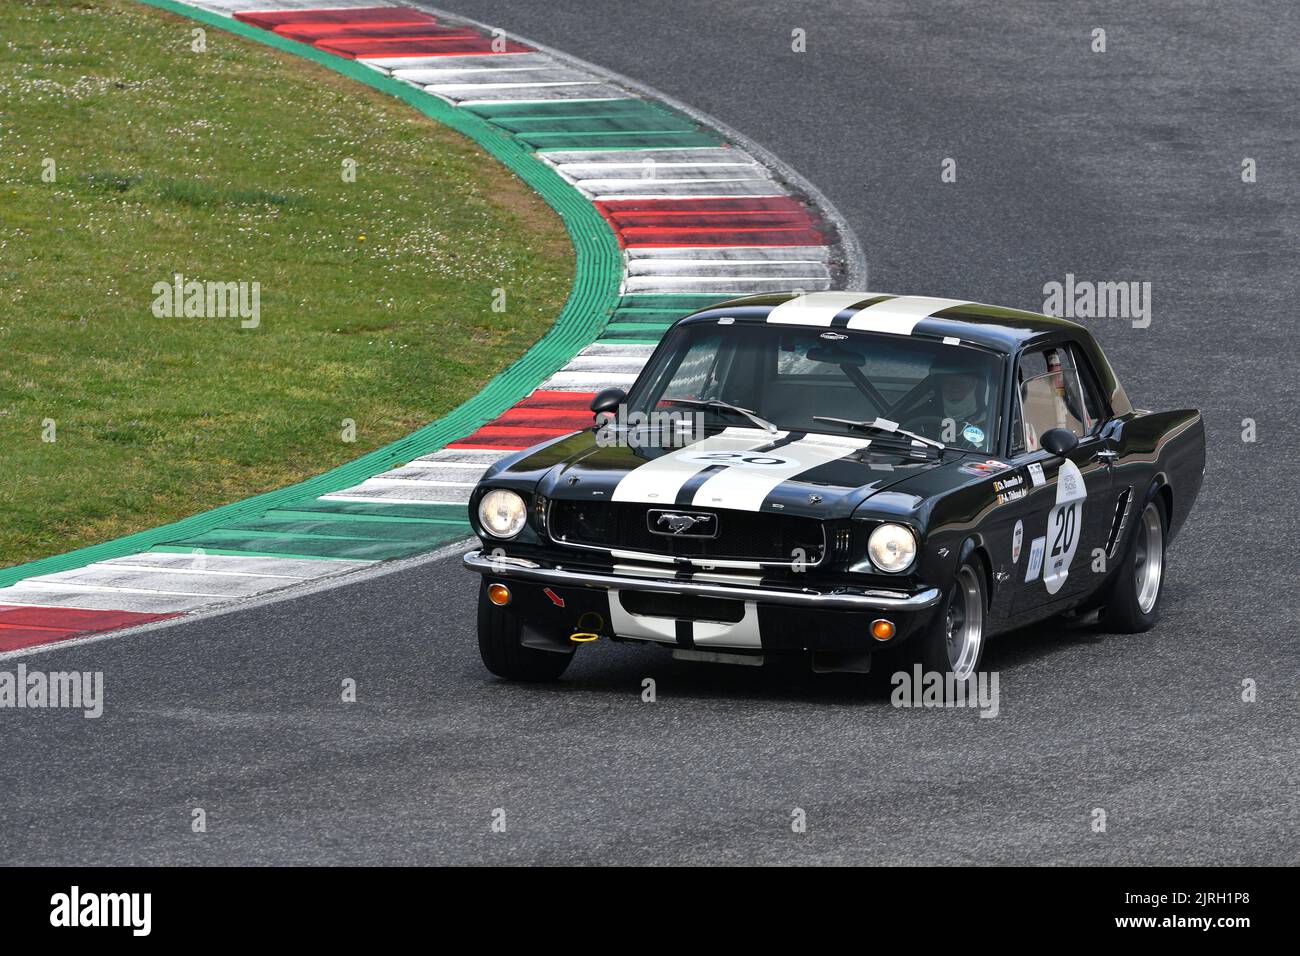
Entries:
{"x":1068,"y":511}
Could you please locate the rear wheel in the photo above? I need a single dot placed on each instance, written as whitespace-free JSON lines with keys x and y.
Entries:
{"x":1135,"y":603}
{"x":498,"y":644}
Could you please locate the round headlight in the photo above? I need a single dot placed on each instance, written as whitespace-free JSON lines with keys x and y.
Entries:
{"x":892,"y":548}
{"x":502,"y":513}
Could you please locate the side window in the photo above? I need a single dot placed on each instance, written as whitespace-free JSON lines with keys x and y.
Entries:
{"x":1052,"y":396}
{"x":699,"y":371}
{"x":1092,"y":400}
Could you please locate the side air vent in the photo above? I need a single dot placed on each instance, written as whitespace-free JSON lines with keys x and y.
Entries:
{"x":1123,"y":505}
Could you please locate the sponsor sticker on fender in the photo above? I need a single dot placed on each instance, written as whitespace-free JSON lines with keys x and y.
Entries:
{"x":1036,"y":548}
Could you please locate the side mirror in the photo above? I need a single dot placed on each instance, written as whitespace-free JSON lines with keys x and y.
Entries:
{"x":608,"y":400}
{"x":1059,"y":441}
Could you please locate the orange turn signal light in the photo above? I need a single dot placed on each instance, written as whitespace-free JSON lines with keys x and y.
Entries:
{"x":881,"y":629}
{"x":499,"y":594}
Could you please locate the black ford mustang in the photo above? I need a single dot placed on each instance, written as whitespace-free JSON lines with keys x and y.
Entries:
{"x":837,"y":475}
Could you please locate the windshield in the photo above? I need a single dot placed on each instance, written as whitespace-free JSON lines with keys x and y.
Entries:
{"x":789,"y":375}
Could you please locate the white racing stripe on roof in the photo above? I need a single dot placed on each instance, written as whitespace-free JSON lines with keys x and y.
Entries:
{"x":819,"y":308}
{"x":899,"y":316}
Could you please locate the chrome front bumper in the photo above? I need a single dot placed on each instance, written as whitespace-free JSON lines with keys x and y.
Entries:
{"x":522,"y":569}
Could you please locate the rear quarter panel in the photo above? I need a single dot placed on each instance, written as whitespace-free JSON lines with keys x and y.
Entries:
{"x":1164,"y":448}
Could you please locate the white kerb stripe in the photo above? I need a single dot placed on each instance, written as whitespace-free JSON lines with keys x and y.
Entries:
{"x":899,"y":316}
{"x":816,"y":308}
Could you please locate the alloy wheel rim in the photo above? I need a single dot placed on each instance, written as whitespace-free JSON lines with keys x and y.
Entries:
{"x":964,"y":624}
{"x":1149,"y":560}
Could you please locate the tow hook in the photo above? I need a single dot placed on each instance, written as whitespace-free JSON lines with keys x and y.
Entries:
{"x":583,"y":637}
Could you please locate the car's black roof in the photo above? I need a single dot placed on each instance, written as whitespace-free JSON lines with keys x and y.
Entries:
{"x":990,"y":326}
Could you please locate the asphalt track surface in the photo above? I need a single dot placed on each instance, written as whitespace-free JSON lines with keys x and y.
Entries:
{"x":1116,"y":166}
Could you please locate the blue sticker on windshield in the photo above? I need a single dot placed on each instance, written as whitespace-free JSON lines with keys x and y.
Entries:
{"x":973,"y":434}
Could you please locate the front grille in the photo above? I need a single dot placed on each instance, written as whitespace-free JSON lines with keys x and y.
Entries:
{"x":741,"y":535}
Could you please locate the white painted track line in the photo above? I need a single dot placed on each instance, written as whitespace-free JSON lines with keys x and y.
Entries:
{"x":721,"y":284}
{"x":144,"y":602}
{"x":239,"y":564}
{"x":163,"y":580}
{"x":818,"y":254}
{"x":243,"y":6}
{"x":407,"y":492}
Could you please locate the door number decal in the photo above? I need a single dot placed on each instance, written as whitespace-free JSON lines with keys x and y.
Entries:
{"x":1064,"y":526}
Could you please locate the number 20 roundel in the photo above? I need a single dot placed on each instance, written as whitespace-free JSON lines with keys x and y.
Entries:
{"x":1064,"y":523}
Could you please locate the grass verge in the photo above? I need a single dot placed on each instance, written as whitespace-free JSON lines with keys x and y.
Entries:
{"x":376,"y":296}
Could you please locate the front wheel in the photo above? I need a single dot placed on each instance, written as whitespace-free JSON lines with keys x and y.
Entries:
{"x":498,"y":643}
{"x":1135,"y":603}
{"x":953,"y":643}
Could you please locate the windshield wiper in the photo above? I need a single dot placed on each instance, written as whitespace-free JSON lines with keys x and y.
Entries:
{"x":725,"y":407}
{"x":886,"y":426}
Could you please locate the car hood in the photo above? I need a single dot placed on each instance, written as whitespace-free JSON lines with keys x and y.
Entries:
{"x":747,"y":469}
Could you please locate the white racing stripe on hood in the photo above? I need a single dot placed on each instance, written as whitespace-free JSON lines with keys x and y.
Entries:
{"x":818,"y":308}
{"x":744,"y":488}
{"x":899,"y":316}
{"x":658,"y":481}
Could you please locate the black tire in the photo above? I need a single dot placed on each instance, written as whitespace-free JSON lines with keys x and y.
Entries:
{"x":503,"y":655}
{"x":965,"y":603}
{"x":1132,"y":608}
